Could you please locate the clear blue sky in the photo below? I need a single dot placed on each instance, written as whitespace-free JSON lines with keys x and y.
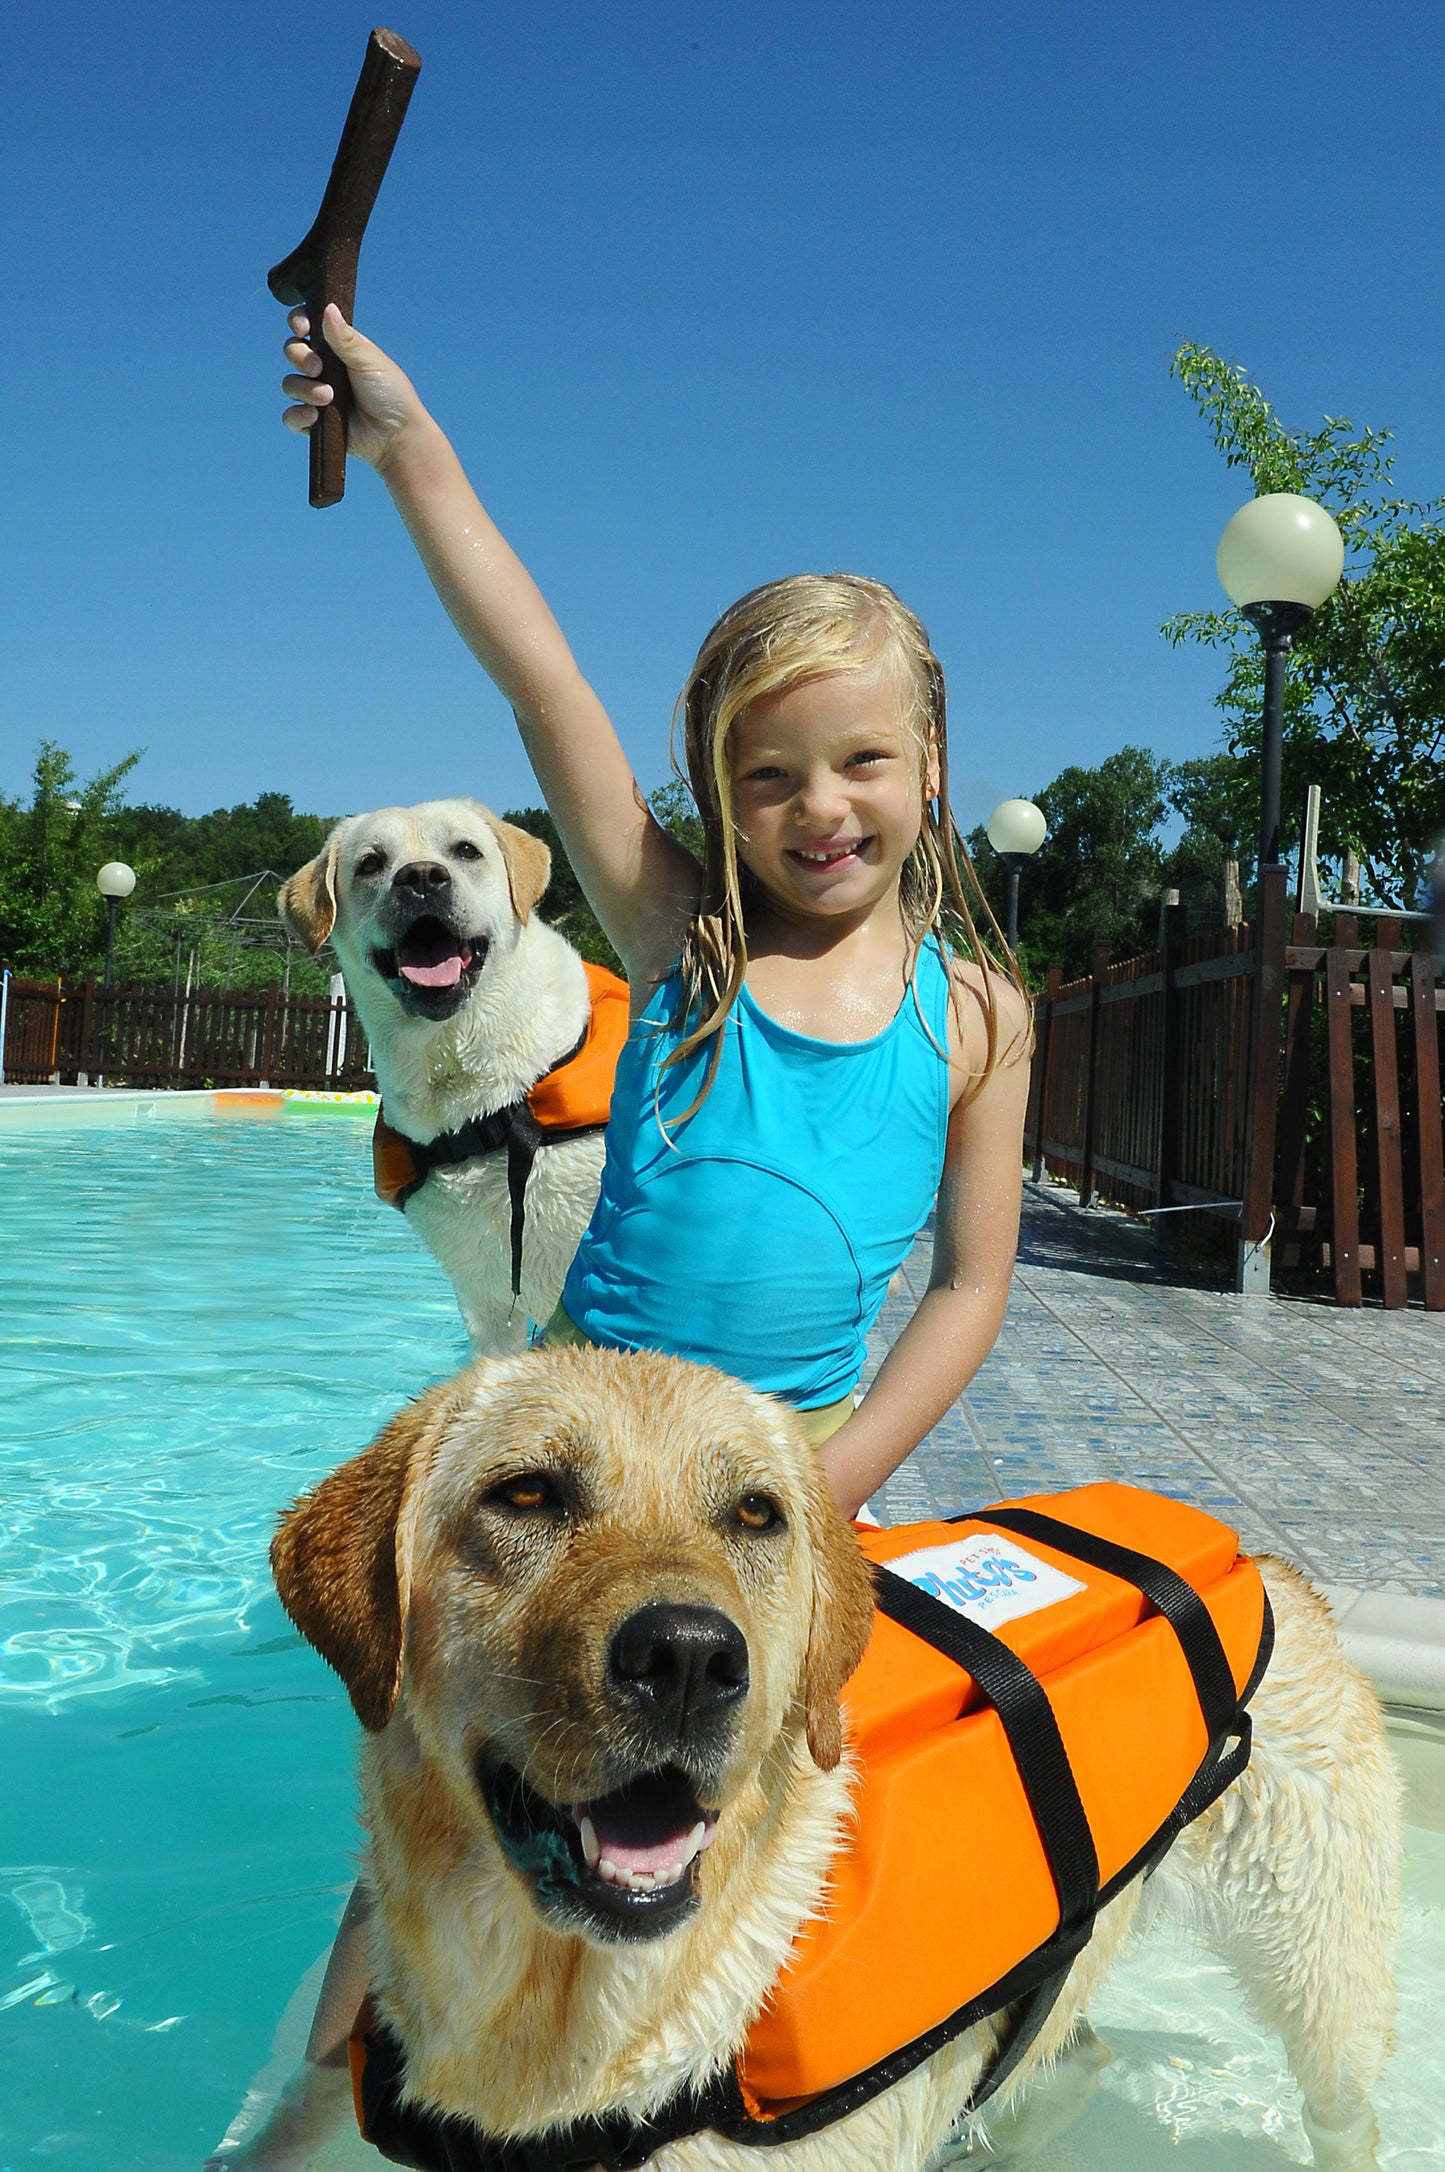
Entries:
{"x":705,"y":293}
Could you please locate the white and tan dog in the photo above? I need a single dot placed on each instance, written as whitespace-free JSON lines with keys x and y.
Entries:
{"x":596,"y":1612}
{"x":467,"y":999}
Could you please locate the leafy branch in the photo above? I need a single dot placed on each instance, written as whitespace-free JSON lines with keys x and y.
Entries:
{"x":1365,"y":713}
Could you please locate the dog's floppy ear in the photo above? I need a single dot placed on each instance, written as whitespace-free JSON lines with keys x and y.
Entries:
{"x":306,"y":901}
{"x":841,"y":1624}
{"x":528,"y":864}
{"x":339,"y":1557}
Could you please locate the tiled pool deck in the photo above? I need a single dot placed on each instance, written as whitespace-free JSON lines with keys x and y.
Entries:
{"x":1318,"y":1433}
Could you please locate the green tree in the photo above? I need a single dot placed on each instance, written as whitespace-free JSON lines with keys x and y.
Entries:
{"x":1217,"y":799}
{"x":196,"y":883}
{"x":51,"y":914}
{"x":676,"y":810}
{"x":190,"y":852}
{"x":1365,"y":707}
{"x":194,"y":876}
{"x":53,"y":920}
{"x":1096,"y":878}
{"x":565,"y":904}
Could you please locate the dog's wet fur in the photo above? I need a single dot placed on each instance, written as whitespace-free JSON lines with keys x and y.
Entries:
{"x":591,"y":1590}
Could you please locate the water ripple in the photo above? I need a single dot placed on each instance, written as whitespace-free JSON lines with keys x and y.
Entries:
{"x":200,"y":1320}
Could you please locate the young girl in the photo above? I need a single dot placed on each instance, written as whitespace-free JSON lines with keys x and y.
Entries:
{"x":810,"y":1064}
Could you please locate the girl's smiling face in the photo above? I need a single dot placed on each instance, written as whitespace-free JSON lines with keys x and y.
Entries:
{"x":828,"y":789}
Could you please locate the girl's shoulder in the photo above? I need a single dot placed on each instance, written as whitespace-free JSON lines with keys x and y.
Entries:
{"x":990,"y":1022}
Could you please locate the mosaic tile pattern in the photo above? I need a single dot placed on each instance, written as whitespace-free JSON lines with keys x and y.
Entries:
{"x":1319,"y":1434}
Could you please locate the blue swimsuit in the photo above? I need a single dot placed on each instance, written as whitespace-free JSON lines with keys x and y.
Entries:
{"x":761,"y":1235}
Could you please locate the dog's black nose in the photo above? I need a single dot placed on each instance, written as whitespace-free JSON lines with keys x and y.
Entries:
{"x":422,"y":878}
{"x":682,"y":1664}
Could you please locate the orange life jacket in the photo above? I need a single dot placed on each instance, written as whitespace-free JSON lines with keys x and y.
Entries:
{"x":1012,"y":1781}
{"x":567,"y":1102}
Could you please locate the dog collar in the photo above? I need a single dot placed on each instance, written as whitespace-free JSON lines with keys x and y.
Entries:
{"x":408,"y":2134}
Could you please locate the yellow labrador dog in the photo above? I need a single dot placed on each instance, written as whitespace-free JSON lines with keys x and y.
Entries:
{"x":596,"y":1612}
{"x":467,"y":998}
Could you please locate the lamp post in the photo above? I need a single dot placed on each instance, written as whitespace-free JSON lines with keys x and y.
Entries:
{"x":114,"y":882}
{"x":1016,"y":829}
{"x":1278,"y":559}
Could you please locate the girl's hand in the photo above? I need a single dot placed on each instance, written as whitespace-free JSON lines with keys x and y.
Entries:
{"x":384,"y":402}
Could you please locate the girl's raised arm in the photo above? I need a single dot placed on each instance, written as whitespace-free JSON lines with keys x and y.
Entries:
{"x":641,"y":883}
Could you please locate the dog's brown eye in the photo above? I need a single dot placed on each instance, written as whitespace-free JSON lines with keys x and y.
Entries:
{"x":756,"y":1512}
{"x":371,"y":863}
{"x":530,"y":1493}
{"x":466,"y":850}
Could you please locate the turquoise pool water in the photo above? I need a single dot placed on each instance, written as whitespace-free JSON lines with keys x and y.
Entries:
{"x":196,"y":1321}
{"x":199,"y":1319}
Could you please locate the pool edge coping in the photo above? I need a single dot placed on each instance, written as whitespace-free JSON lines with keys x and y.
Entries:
{"x":1397,"y":1639}
{"x":87,"y":1108}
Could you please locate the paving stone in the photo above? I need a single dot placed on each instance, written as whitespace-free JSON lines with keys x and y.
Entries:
{"x":1319,"y":1433}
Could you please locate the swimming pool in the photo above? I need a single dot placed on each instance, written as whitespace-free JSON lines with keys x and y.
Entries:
{"x":200,"y":1319}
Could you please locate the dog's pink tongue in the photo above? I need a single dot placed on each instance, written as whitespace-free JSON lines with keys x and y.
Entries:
{"x":653,"y":1855}
{"x":444,"y":974}
{"x":655,"y":1828}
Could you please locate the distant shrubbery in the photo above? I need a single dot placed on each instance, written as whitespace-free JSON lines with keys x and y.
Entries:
{"x":53,"y":919}
{"x":194,"y":911}
{"x":1105,"y":864}
{"x":565,"y":905}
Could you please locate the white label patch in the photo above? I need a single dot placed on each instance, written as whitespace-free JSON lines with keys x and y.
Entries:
{"x":989,"y":1579}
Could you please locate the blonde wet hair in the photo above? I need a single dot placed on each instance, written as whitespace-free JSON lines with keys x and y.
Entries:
{"x":804,"y":627}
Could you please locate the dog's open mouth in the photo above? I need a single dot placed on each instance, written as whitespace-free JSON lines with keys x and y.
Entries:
{"x":626,"y":1860}
{"x":431,"y":962}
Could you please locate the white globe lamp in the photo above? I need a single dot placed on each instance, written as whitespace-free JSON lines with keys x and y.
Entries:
{"x":115,"y":880}
{"x":1015,"y":829}
{"x":1280,"y":549}
{"x":1280,"y":557}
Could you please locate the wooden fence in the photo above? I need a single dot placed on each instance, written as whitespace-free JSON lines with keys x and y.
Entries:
{"x":134,"y":1036}
{"x":1255,"y":1073}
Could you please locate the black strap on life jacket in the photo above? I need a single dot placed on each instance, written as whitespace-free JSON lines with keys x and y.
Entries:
{"x":1164,"y":1588}
{"x":1022,"y":1703}
{"x":515,"y":1128}
{"x":409,"y":2135}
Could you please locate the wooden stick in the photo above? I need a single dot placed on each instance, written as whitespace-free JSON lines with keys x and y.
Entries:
{"x":323,"y":268}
